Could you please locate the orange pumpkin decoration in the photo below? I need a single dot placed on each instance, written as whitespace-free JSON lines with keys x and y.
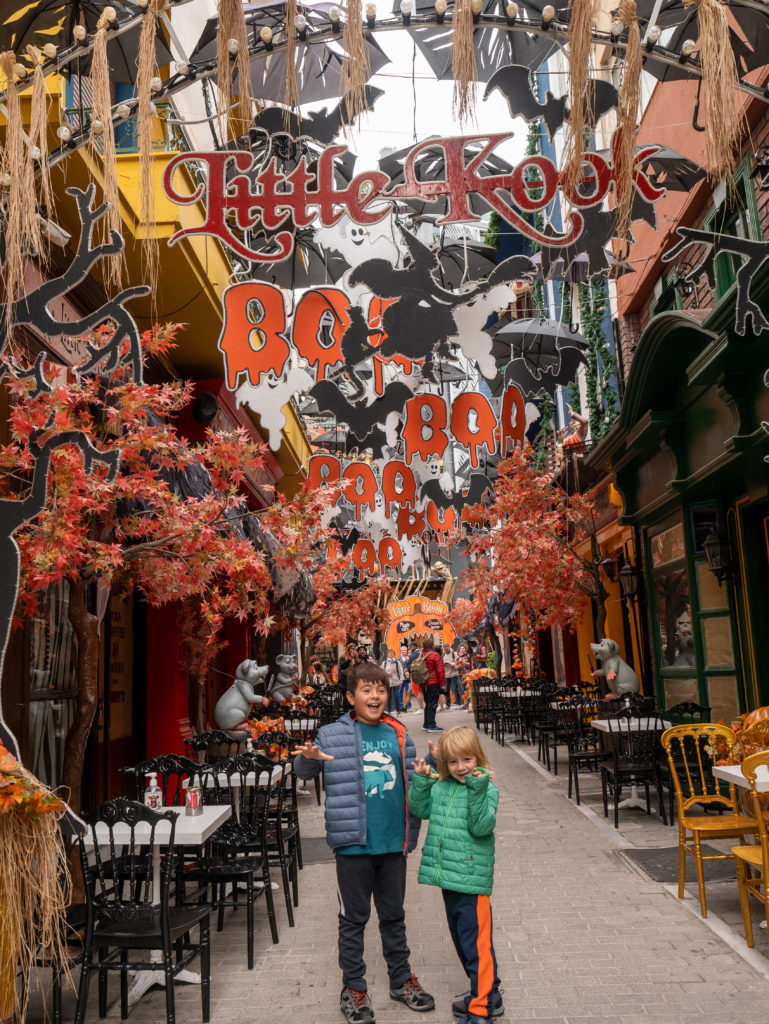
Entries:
{"x":759,"y":715}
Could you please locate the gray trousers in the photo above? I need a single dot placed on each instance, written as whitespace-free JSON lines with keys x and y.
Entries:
{"x":359,"y":877}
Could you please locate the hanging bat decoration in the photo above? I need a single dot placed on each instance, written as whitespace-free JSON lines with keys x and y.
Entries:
{"x":753,"y":254}
{"x":514,"y":82}
{"x":322,"y":126}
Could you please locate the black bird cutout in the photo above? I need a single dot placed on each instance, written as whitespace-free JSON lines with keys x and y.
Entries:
{"x":514,"y":82}
{"x":320,"y":125}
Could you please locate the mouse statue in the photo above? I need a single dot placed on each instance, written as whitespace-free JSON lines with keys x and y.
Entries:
{"x":619,"y":676}
{"x":234,"y":706}
{"x":282,"y":683}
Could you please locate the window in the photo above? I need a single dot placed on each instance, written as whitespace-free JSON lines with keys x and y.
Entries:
{"x":734,"y":213}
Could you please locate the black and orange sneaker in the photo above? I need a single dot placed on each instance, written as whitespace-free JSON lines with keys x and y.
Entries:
{"x":356,"y":1006}
{"x":413,"y":995}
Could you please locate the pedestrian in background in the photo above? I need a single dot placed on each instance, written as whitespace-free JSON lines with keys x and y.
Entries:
{"x":415,"y":688}
{"x":405,"y":691}
{"x":394,"y":670}
{"x":453,"y":678}
{"x":436,"y":680}
{"x":460,"y":803}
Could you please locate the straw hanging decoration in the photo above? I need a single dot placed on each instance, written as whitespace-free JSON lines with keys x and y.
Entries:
{"x":627,"y":121}
{"x":291,"y":98}
{"x":356,"y":68}
{"x":723,"y":122}
{"x":580,"y":46}
{"x":144,"y":118}
{"x":463,"y":65}
{"x":232,"y":26}
{"x":103,"y":132}
{"x":38,"y":128}
{"x":20,"y":224}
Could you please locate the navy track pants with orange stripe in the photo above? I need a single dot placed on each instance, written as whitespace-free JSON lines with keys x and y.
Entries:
{"x":470,"y":925}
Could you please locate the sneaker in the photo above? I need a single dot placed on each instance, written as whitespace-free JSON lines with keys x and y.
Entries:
{"x":413,"y":995}
{"x":356,"y":1006}
{"x":459,"y":1007}
{"x":434,"y":728}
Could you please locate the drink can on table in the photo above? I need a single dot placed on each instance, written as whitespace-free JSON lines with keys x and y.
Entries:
{"x":193,"y":802}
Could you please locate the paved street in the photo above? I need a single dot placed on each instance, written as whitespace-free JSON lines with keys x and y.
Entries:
{"x":581,"y":935}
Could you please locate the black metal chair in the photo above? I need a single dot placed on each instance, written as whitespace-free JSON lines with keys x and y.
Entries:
{"x":552,"y":725}
{"x":121,"y":835}
{"x":633,"y":760}
{"x":585,"y":750}
{"x":172,"y":770}
{"x":687,"y":712}
{"x":279,"y":747}
{"x":214,"y":746}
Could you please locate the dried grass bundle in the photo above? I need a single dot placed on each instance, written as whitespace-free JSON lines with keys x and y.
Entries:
{"x":291,"y":98}
{"x":232,"y":25}
{"x":580,"y":115}
{"x":724,"y":124}
{"x":21,"y":227}
{"x":145,"y":118}
{"x":32,"y":903}
{"x":105,"y":139}
{"x":355,"y":67}
{"x":38,"y":128}
{"x":463,"y":63}
{"x":627,"y":121}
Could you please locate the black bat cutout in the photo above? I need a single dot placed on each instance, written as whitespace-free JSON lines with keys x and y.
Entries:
{"x":477,"y":486}
{"x":531,"y":384}
{"x":361,"y":419}
{"x":753,"y":254}
{"x":321,"y":126}
{"x":514,"y":82}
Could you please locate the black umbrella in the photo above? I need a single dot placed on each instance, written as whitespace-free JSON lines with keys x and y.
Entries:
{"x":308,"y":265}
{"x":318,"y":67}
{"x":52,"y":21}
{"x":462,"y":261}
{"x":668,"y":169}
{"x":494,"y":48}
{"x":540,"y":354}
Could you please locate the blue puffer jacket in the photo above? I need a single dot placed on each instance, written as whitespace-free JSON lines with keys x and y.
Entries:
{"x":345,"y":792}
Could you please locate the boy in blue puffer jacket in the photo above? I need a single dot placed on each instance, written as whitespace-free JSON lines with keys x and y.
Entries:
{"x":367,"y":760}
{"x":460,"y":802}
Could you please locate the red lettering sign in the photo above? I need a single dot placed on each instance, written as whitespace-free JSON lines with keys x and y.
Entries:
{"x":473,"y":422}
{"x":398,"y":484}
{"x":253,"y":340}
{"x":363,"y":486}
{"x":424,"y":429}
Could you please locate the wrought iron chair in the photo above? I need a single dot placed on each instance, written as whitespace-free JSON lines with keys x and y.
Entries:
{"x":172,"y":771}
{"x":119,"y":919}
{"x":278,"y":747}
{"x":754,"y":858}
{"x":632,"y":761}
{"x":553,"y":725}
{"x":686,"y":712}
{"x":583,"y":743}
{"x":691,"y":751}
{"x":212,"y":746}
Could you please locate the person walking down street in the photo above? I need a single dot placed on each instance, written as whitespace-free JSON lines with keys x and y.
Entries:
{"x":436,"y":680}
{"x":453,"y":678}
{"x":394,"y":670}
{"x":460,"y":803}
{"x":405,"y":690}
{"x":367,"y":762}
{"x":463,"y":667}
{"x":346,"y":663}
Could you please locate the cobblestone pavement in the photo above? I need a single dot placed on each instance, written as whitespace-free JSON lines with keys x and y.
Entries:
{"x":581,"y":935}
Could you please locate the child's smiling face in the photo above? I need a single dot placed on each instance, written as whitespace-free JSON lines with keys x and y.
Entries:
{"x":369,"y":701}
{"x":461,"y":766}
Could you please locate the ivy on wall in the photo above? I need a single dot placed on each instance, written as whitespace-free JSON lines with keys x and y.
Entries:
{"x":600,"y":374}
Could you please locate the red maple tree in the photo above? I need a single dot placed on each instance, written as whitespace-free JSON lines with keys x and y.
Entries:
{"x":168,"y":524}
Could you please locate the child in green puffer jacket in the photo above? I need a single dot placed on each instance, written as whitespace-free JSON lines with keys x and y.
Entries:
{"x":460,"y":801}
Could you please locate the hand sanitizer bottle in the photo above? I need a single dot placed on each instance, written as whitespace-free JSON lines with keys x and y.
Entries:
{"x":153,"y":795}
{"x":249,"y":746}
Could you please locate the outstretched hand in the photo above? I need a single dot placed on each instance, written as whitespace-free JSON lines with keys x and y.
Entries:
{"x":421,"y":767}
{"x":433,"y":748}
{"x":312,"y":753}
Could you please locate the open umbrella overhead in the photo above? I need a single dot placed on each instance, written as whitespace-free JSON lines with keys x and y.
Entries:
{"x":494,"y":49}
{"x":52,"y":21}
{"x":462,"y":261}
{"x":668,"y":169}
{"x":538,"y":354}
{"x":578,"y":269}
{"x":318,"y":66}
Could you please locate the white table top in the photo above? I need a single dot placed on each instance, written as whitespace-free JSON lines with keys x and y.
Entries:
{"x":733,"y":773}
{"x":628,"y":725}
{"x":191,"y":829}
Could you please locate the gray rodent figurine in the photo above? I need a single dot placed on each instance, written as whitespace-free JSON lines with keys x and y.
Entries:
{"x":282,"y":683}
{"x":234,"y":706}
{"x":619,"y":676}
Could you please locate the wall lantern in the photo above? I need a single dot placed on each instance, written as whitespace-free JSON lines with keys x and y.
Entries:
{"x":629,"y":581}
{"x":609,"y":567}
{"x":719,"y":555}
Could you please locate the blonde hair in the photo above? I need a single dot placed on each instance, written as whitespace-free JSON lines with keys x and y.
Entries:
{"x":461,"y":741}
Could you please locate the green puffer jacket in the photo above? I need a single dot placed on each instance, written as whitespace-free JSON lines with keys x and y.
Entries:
{"x":459,"y":849}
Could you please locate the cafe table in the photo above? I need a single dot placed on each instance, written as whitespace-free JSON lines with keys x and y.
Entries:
{"x":733,"y":773}
{"x":191,"y":830}
{"x":641,"y":724}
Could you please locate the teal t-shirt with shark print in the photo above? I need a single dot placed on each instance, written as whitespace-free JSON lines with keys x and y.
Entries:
{"x":385,"y":792}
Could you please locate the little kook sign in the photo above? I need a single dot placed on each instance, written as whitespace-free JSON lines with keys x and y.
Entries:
{"x":237,"y":197}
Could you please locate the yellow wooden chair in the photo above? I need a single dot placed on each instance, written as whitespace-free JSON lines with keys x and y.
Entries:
{"x":750,"y":858}
{"x":752,"y":740}
{"x":691,"y":752}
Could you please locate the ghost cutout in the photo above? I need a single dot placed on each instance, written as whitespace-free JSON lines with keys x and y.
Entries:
{"x":269,"y":398}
